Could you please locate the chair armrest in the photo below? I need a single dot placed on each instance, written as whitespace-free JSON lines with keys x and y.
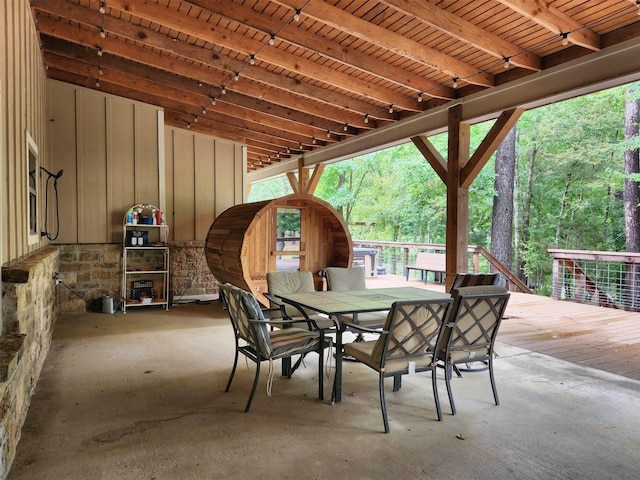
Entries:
{"x":361,"y":328}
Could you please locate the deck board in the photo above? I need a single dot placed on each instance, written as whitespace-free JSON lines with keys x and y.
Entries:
{"x":597,"y":337}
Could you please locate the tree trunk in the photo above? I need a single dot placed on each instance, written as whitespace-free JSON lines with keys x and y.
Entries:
{"x":631,"y":199}
{"x":526,"y":208}
{"x":563,"y":203}
{"x":502,"y":221}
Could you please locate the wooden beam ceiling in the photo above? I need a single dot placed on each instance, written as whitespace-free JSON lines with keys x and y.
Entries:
{"x":289,"y":77}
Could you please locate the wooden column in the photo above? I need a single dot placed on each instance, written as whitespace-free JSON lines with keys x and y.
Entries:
{"x":457,"y":197}
{"x":458,"y":173}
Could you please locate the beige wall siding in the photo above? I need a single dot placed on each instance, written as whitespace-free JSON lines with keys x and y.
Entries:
{"x":108,"y":148}
{"x":23,"y":110}
{"x":205,"y":176}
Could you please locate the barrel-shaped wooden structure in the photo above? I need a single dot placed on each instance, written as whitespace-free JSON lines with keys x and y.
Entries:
{"x":241,"y":243}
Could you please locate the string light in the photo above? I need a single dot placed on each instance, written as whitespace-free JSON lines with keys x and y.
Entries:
{"x":313,"y":140}
{"x":189,"y":125}
{"x":204,"y":110}
{"x":237,"y":76}
{"x":296,"y":16}
{"x":103,"y":8}
{"x":346,"y":127}
{"x":272,"y":40}
{"x":565,"y":38}
{"x":391,"y":108}
{"x":507,"y":62}
{"x":455,"y":82}
{"x":224,"y":90}
{"x":196,"y":118}
{"x":100,"y":51}
{"x":98,"y":82}
{"x":103,"y":34}
{"x":252,"y":60}
{"x":213,"y":100}
{"x":328,"y":133}
{"x":420,"y":97}
{"x":366,"y":118}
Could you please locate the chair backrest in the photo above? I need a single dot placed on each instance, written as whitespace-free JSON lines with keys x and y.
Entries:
{"x":412,"y":330}
{"x":289,"y":282}
{"x":473,"y":323}
{"x":242,"y":306}
{"x":475,"y":279}
{"x":339,"y":278}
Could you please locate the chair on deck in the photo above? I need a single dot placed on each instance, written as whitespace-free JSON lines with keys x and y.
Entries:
{"x":470,"y":332}
{"x":257,"y":342}
{"x":476,"y":279}
{"x":405,"y":345}
{"x":341,"y":279}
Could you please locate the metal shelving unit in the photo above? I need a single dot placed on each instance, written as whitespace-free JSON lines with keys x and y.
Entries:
{"x":145,"y":259}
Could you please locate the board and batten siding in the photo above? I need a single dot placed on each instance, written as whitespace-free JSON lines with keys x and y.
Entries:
{"x":205,"y":176}
{"x":109,"y":148}
{"x":22,"y":105}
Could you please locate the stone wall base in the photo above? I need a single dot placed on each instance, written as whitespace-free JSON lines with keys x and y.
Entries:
{"x":29,"y":311}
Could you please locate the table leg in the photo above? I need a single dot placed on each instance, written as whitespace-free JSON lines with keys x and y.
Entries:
{"x":337,"y":382}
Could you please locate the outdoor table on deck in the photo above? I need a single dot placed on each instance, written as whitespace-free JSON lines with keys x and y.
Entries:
{"x":338,"y":303}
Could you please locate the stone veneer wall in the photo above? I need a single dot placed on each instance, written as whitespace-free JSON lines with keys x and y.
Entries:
{"x":89,"y":271}
{"x":189,"y":271}
{"x":29,"y":313}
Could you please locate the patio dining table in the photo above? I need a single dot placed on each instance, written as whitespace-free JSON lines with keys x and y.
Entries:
{"x":335,"y":304}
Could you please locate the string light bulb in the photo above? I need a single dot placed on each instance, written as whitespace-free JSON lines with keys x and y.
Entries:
{"x":196,"y":118}
{"x":313,"y":140}
{"x":366,"y":118}
{"x":346,"y":127}
{"x":296,"y":16}
{"x":224,"y":90}
{"x":328,"y":133}
{"x":420,"y":97}
{"x":507,"y":62}
{"x":103,"y":34}
{"x":565,"y":38}
{"x":100,"y":51}
{"x":455,"y":82}
{"x":103,"y":8}
{"x":189,"y":125}
{"x":98,"y":82}
{"x":236,"y":77}
{"x":204,"y":110}
{"x":391,"y":108}
{"x":213,"y":100}
{"x":252,"y":60}
{"x":272,"y":39}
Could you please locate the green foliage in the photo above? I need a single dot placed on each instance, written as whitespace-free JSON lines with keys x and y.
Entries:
{"x":576,"y":199}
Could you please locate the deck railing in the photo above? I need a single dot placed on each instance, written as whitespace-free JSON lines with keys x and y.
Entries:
{"x":608,"y":279}
{"x":393,"y":257}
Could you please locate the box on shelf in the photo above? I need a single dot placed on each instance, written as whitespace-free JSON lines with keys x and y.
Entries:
{"x":137,"y":238}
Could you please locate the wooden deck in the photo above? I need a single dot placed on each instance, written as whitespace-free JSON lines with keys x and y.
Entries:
{"x":597,"y":337}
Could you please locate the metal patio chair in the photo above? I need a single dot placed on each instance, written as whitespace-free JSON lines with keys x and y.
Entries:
{"x":255,"y":340}
{"x":406,"y":345}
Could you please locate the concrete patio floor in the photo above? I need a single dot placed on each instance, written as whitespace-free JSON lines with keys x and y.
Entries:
{"x":141,"y":396}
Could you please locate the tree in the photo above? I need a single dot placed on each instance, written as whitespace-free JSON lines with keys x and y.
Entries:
{"x":502,"y":219}
{"x":632,"y":195}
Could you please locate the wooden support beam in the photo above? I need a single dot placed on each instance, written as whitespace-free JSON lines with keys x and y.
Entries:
{"x":432,"y":155}
{"x":489,"y":145}
{"x":305,"y":183}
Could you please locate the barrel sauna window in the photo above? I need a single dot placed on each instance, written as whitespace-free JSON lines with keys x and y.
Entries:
{"x":288,"y":239}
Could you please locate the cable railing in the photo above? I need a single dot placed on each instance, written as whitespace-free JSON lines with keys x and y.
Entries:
{"x":608,"y":279}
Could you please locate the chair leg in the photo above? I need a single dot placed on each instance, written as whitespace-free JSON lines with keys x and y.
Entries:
{"x":447,"y":377}
{"x":253,"y":388}
{"x":493,"y":380}
{"x":383,"y":404}
{"x":436,"y":397}
{"x":320,"y":367}
{"x":233,"y":372}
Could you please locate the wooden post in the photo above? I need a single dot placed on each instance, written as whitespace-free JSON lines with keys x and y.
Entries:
{"x":457,"y":197}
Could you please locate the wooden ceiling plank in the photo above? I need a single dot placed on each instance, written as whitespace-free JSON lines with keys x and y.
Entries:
{"x":335,"y":17}
{"x":169,"y":17}
{"x":467,"y":32}
{"x":323,"y":46}
{"x":556,"y":21}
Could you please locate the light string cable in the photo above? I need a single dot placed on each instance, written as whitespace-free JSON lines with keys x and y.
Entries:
{"x":251,"y":61}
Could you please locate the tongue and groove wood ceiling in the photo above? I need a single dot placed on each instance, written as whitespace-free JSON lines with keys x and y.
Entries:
{"x":289,"y":76}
